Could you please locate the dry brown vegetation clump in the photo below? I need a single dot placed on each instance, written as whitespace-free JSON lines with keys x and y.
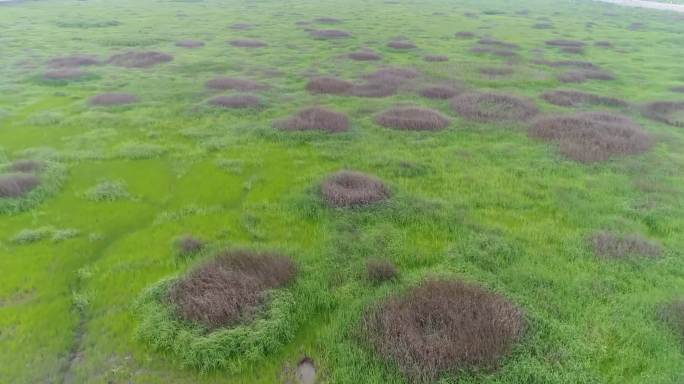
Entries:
{"x":464,"y":35}
{"x":15,"y":185}
{"x":365,"y":55}
{"x":573,"y":50}
{"x":347,"y":189}
{"x":488,"y":107}
{"x":247,"y":43}
{"x":593,"y":136}
{"x":672,"y":313}
{"x":412,"y":119}
{"x":107,"y":99}
{"x":582,"y":75}
{"x":436,"y":58}
{"x":65,"y":74}
{"x":440,"y":92}
{"x":378,"y":271}
{"x":329,"y":34}
{"x":614,"y":246}
{"x":383,"y":82}
{"x":230,"y":289}
{"x":497,"y":43}
{"x":573,"y":64}
{"x":572,"y":98}
{"x":190,"y":43}
{"x":143,"y":59}
{"x":496,"y":71}
{"x":401,"y":44}
{"x":315,"y":118}
{"x":74,"y":61}
{"x":443,"y":326}
{"x":27,"y":166}
{"x":244,"y":85}
{"x":189,"y":245}
{"x":235,"y":101}
{"x":668,"y":112}
{"x":565,"y":43}
{"x":329,"y":85}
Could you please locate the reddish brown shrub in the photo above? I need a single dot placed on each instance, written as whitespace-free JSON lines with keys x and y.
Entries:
{"x":247,"y":43}
{"x":364,"y":55}
{"x":443,"y":326}
{"x":189,"y":245}
{"x":235,"y":101}
{"x":65,"y":74}
{"x":315,"y":118}
{"x":74,"y":61}
{"x":347,"y":189}
{"x":190,"y":43}
{"x":464,"y":35}
{"x":496,"y":71}
{"x":665,"y":111}
{"x":440,"y":92}
{"x":329,"y":34}
{"x":241,"y":26}
{"x":27,"y":166}
{"x":565,"y":43}
{"x":433,"y":58}
{"x":140,"y":59}
{"x":107,"y":99}
{"x":593,"y":136}
{"x":15,"y":185}
{"x":330,"y":85}
{"x":672,"y":313}
{"x":244,"y":85}
{"x":413,"y":119}
{"x":572,"y":98}
{"x":614,"y":246}
{"x":230,"y":289}
{"x":378,"y":271}
{"x":401,"y":44}
{"x":488,"y":107}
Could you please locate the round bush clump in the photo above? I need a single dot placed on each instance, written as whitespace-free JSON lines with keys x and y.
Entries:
{"x":188,"y":245}
{"x":74,"y":61}
{"x":347,"y":189}
{"x":383,"y":82}
{"x":378,"y":271}
{"x":412,"y":118}
{"x":330,"y":85}
{"x":490,"y":107}
{"x":565,"y":43}
{"x":244,"y":85}
{"x":572,"y":98}
{"x":16,"y":185}
{"x":436,"y":58}
{"x":443,"y":326}
{"x":65,"y":74}
{"x":144,"y":59}
{"x":27,"y":166}
{"x":315,"y":118}
{"x":593,"y":136}
{"x":247,"y":43}
{"x":329,"y":34}
{"x":464,"y":35}
{"x":496,"y":71}
{"x":110,"y":99}
{"x":668,"y":112}
{"x":439,"y":92}
{"x":365,"y":55}
{"x":672,"y":314}
{"x":614,"y":246}
{"x":401,"y":44}
{"x":190,"y":43}
{"x":236,"y":101}
{"x":582,"y":75}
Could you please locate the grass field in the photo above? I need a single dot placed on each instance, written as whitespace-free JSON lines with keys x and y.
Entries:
{"x":86,"y":256}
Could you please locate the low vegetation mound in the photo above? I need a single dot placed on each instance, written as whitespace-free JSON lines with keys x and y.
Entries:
{"x":443,"y":326}
{"x":490,"y":107}
{"x":144,"y":59}
{"x":589,"y":137}
{"x":74,"y":61}
{"x":413,"y":119}
{"x":110,"y":99}
{"x":347,"y":189}
{"x":439,"y":92}
{"x":27,"y":166}
{"x":496,"y":71}
{"x":572,"y":98}
{"x":582,"y":75}
{"x":365,"y":55}
{"x":379,"y":271}
{"x":565,"y":43}
{"x":497,"y":43}
{"x":603,"y":44}
{"x":235,"y":101}
{"x":230,"y":289}
{"x":572,"y":64}
{"x":14,"y":185}
{"x":239,"y":84}
{"x":464,"y":35}
{"x":668,"y":112}
{"x":247,"y":43}
{"x":501,"y":52}
{"x":323,"y":34}
{"x":327,"y":20}
{"x":543,"y":26}
{"x":329,"y":85}
{"x":65,"y":74}
{"x":436,"y":58}
{"x":241,"y":26}
{"x":383,"y":82}
{"x":614,"y":246}
{"x":190,"y":43}
{"x":315,"y":118}
{"x":401,"y":44}
{"x":672,"y":314}
{"x":189,"y":245}
{"x":678,"y":89}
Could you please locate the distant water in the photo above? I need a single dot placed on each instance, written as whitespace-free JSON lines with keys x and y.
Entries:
{"x":647,"y":4}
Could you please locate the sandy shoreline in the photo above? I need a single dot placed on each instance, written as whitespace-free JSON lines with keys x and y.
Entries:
{"x":647,"y":4}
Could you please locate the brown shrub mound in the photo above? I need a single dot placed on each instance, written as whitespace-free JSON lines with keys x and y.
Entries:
{"x":668,"y":112}
{"x":593,"y":136}
{"x":392,"y":74}
{"x":74,"y":61}
{"x":365,"y":55}
{"x":65,"y":74}
{"x":140,"y":59}
{"x":603,"y":44}
{"x":571,"y":98}
{"x":107,"y":99}
{"x":679,"y":89}
{"x":315,"y":118}
{"x":497,"y":43}
{"x":189,"y":245}
{"x":26,"y":166}
{"x":440,"y":92}
{"x":15,"y":185}
{"x":327,"y":20}
{"x":580,"y":76}
{"x":230,"y":289}
{"x":346,"y":189}
{"x":565,"y":43}
{"x":329,"y":85}
{"x":378,"y":271}
{"x":573,"y":63}
{"x":573,"y":50}
{"x":235,"y":101}
{"x":401,"y":44}
{"x":247,"y":43}
{"x":496,"y":71}
{"x":614,"y":246}
{"x":443,"y":326}
{"x":493,"y":51}
{"x":413,"y":119}
{"x":672,"y":313}
{"x":464,"y":35}
{"x":190,"y":43}
{"x":329,"y":34}
{"x":383,"y":82}
{"x":436,"y":58}
{"x":244,"y":85}
{"x":488,"y":107}
{"x":241,"y":26}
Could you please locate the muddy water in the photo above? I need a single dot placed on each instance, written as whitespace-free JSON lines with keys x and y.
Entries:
{"x":647,"y":4}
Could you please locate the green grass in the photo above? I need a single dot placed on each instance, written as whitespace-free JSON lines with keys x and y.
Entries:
{"x":481,"y":202}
